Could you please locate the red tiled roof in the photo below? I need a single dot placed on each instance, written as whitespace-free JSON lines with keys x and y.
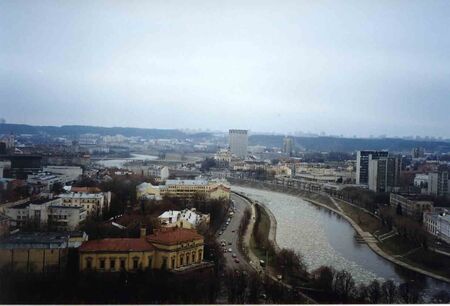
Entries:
{"x":85,"y":189}
{"x":174,"y":235}
{"x":117,"y":245}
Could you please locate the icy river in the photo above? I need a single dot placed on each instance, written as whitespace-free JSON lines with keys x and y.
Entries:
{"x":325,"y":238}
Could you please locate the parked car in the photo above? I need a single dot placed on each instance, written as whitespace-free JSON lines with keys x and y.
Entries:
{"x":236,"y":260}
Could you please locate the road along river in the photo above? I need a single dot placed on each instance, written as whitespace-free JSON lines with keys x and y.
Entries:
{"x":325,"y":238}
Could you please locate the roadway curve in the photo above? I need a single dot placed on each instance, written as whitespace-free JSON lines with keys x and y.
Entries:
{"x":231,"y":233}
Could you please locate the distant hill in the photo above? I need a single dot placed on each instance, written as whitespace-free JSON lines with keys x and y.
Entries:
{"x":327,"y":144}
{"x":75,"y":130}
{"x":318,"y":144}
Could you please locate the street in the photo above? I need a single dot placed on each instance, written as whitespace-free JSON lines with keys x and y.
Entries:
{"x":230,"y":234}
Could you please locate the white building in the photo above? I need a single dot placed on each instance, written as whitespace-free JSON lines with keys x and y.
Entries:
{"x":42,"y":212}
{"x":187,"y":218}
{"x":186,"y":189}
{"x":421,"y":180}
{"x":238,"y":142}
{"x":72,"y":172}
{"x":94,"y":203}
{"x":438,"y":182}
{"x":51,"y":175}
{"x":159,"y":172}
{"x":437,"y":223}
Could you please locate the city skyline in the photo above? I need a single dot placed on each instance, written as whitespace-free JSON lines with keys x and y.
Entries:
{"x":350,"y":68}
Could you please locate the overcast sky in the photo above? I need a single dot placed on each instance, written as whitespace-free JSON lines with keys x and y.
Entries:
{"x":342,"y":67}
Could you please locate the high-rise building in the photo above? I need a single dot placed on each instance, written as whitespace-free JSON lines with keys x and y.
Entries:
{"x":362,"y":164}
{"x":384,"y":173}
{"x":288,"y":146}
{"x":418,"y":152}
{"x":438,"y":184}
{"x":238,"y":142}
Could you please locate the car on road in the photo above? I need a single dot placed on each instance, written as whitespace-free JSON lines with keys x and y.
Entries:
{"x":234,"y":255}
{"x":221,"y":233}
{"x":236,"y":260}
{"x":227,"y":223}
{"x":233,"y":231}
{"x":230,"y":250}
{"x":229,"y":243}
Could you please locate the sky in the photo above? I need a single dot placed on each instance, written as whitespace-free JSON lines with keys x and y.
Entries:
{"x":339,"y":67}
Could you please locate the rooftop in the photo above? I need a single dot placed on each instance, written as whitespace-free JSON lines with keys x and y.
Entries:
{"x":116,"y":245}
{"x":85,"y":189}
{"x":187,"y":182}
{"x":174,"y":235}
{"x":35,"y":238}
{"x":80,"y":195}
{"x":39,"y":201}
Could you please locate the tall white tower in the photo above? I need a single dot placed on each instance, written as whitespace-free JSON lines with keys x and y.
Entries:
{"x":238,"y":142}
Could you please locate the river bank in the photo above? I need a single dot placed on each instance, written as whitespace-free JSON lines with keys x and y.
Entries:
{"x":371,"y":242}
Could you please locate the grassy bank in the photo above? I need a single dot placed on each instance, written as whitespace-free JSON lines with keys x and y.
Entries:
{"x":398,"y":246}
{"x":259,"y":240}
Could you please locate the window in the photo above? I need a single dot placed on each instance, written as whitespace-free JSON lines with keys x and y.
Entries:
{"x":135,"y":263}
{"x":193,"y":257}
{"x":102,"y":264}
{"x":173,"y":262}
{"x":199,"y":258}
{"x":112,"y":264}
{"x":181,"y":259}
{"x":122,"y":263}
{"x":150,"y":262}
{"x":187,"y":259}
{"x":88,"y":263}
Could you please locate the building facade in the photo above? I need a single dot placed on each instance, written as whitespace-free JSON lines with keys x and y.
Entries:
{"x":168,"y":248}
{"x":437,"y":223}
{"x":94,"y":203}
{"x":187,"y":218}
{"x":37,"y":251}
{"x":288,"y":146}
{"x":413,"y":206}
{"x":186,"y":189}
{"x":238,"y":140}
{"x":438,"y":182}
{"x":46,"y":212}
{"x":362,"y":164}
{"x":384,"y":173}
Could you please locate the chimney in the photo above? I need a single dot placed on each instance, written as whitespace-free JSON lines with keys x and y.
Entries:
{"x":143,"y":232}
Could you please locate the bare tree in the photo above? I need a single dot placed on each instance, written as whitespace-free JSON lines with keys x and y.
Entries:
{"x":389,"y":292}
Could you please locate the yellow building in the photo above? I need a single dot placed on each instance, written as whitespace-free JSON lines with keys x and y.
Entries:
{"x":187,"y":189}
{"x":38,"y":251}
{"x":167,"y":248}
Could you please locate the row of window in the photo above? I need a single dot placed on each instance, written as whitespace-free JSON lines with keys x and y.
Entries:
{"x":112,"y":263}
{"x":184,"y":259}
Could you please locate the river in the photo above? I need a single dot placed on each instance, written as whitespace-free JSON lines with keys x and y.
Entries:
{"x":325,"y":238}
{"x":118,"y":163}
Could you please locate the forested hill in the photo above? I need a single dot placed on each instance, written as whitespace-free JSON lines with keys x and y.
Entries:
{"x":75,"y":130}
{"x":328,"y":144}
